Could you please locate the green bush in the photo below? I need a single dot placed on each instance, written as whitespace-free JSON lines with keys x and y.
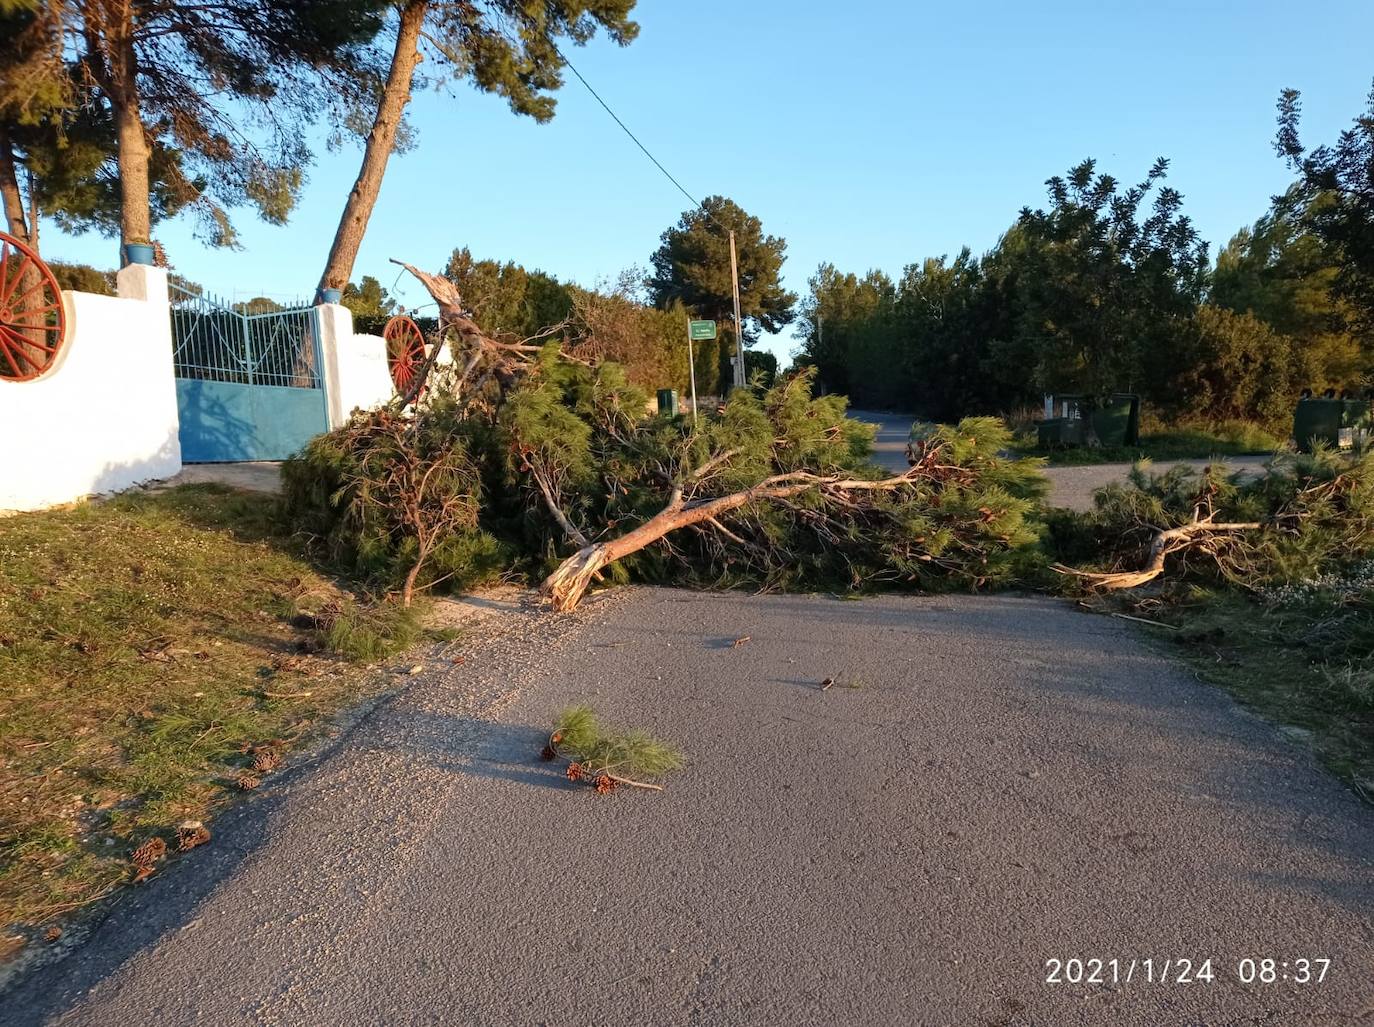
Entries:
{"x":394,"y":499}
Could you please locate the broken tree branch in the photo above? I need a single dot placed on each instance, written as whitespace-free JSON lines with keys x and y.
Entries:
{"x":1165,"y":543}
{"x":565,"y":587}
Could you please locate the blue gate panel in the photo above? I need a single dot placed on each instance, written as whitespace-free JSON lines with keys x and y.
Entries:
{"x":225,"y":422}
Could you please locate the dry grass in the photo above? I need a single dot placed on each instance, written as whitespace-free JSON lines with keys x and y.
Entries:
{"x":150,"y":653}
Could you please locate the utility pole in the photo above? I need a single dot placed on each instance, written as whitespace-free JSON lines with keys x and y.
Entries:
{"x":739,"y":328}
{"x":692,"y":364}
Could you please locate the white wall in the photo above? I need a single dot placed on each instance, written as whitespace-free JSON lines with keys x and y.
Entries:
{"x":355,"y":369}
{"x":104,"y":417}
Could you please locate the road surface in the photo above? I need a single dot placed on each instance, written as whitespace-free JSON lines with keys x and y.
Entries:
{"x":993,"y":783}
{"x":1071,"y":487}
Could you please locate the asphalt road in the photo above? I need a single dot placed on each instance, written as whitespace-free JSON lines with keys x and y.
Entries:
{"x":1071,"y":487}
{"x":994,"y":782}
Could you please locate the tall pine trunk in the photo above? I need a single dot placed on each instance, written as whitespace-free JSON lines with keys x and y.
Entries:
{"x":16,"y":223}
{"x":377,"y":151}
{"x":131,"y":139}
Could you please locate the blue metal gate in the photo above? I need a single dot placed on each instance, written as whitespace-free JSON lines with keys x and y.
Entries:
{"x":249,"y":386}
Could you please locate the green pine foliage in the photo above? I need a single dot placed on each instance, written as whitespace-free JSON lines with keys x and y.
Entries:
{"x":970,"y":524}
{"x":576,"y":439}
{"x":580,"y":736}
{"x":385,"y":494}
{"x":1316,"y":513}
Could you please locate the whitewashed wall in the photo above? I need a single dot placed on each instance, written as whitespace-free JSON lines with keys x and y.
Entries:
{"x":104,"y":417}
{"x":355,"y":369}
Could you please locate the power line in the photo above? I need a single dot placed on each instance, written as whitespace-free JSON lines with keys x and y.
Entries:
{"x":626,"y":129}
{"x":738,"y":360}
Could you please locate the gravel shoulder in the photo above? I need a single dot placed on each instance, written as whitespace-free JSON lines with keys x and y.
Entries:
{"x":1007,"y":781}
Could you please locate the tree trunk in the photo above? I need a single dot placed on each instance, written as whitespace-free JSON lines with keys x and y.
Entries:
{"x":16,"y":223}
{"x":377,"y":151}
{"x":565,"y":586}
{"x":135,"y":220}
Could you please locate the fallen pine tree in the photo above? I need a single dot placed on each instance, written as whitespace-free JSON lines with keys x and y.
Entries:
{"x":1304,"y":516}
{"x":529,"y":455}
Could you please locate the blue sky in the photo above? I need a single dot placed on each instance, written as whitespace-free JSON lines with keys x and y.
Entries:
{"x":869,"y":135}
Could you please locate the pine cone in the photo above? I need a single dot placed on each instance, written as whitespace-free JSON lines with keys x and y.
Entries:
{"x":605,"y":784}
{"x":547,"y":753}
{"x":149,"y":853}
{"x":574,"y":772}
{"x":266,"y":760}
{"x":191,"y":834}
{"x":246,"y":781}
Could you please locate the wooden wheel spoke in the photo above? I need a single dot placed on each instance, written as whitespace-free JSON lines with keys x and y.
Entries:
{"x":17,"y":338}
{"x":38,"y":287}
{"x":405,"y":345}
{"x":20,"y":339}
{"x":5,"y":271}
{"x":9,"y":282}
{"x":15,"y":353}
{"x":20,"y":319}
{"x":33,"y":322}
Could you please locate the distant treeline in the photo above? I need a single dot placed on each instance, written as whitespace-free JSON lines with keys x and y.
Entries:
{"x":1107,"y":289}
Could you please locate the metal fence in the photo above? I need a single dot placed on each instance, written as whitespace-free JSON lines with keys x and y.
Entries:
{"x":215,"y":341}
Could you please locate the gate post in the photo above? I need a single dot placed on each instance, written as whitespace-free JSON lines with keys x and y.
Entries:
{"x":354,"y":367}
{"x":142,"y":282}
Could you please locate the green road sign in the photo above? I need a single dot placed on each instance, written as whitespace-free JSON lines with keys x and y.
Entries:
{"x":699,"y":330}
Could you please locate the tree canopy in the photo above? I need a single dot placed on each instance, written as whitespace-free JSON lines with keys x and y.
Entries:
{"x":368,"y":298}
{"x":227,"y":85}
{"x":1106,"y":289}
{"x":507,"y":47}
{"x":1103,"y":283}
{"x":692,"y":266}
{"x":1335,"y":193}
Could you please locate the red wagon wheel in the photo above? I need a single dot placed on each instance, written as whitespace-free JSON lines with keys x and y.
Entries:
{"x":33,"y":322}
{"x":405,"y":351}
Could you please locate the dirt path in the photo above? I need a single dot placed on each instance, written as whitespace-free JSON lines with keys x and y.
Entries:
{"x":1008,"y":781}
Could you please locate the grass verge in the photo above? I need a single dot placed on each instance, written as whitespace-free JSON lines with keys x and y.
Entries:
{"x":155,"y":652}
{"x":1238,"y":438}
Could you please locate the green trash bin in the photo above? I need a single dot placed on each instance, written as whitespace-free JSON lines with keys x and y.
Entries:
{"x":1058,"y":432}
{"x":668,"y":402}
{"x":1318,"y":419}
{"x":1117,"y":421}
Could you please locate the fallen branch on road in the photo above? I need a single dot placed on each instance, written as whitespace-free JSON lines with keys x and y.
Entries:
{"x":605,"y":759}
